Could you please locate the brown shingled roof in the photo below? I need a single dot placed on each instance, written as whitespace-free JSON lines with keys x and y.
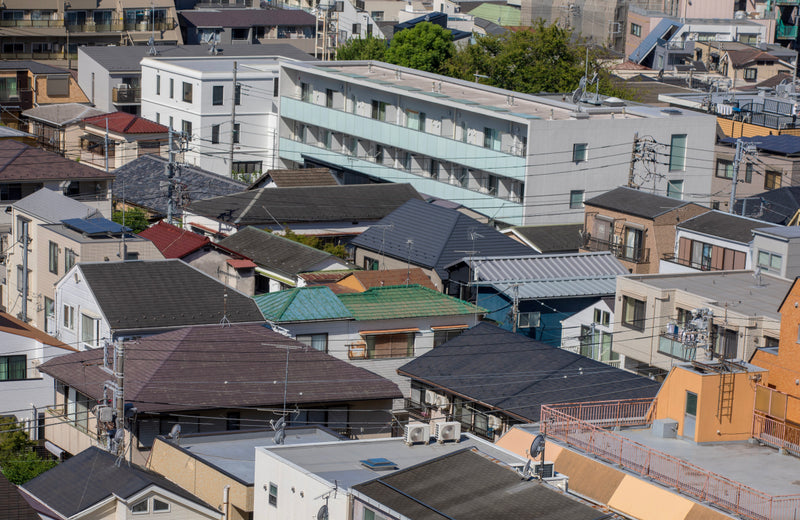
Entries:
{"x":211,"y":367}
{"x":20,"y":162}
{"x":299,"y":177}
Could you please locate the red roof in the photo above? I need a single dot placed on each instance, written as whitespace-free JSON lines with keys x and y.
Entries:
{"x":124,"y":123}
{"x":243,"y":263}
{"x":172,"y":241}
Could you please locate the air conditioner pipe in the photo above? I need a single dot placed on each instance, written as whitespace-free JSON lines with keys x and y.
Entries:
{"x":225,"y":495}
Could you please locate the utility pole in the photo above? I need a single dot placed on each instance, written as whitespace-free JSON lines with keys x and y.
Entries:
{"x":233,"y":117}
{"x":170,"y":176}
{"x":633,"y":159}
{"x":105,"y":146}
{"x":119,"y":352}
{"x":515,"y":308}
{"x":742,"y":149}
{"x":66,"y":29}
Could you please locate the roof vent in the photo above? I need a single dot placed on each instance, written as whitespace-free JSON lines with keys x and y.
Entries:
{"x":379,"y":464}
{"x":579,"y":115}
{"x":671,"y":111}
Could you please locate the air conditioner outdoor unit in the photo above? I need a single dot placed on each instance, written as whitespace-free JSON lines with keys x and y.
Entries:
{"x":448,"y":431}
{"x":105,"y":414}
{"x":417,"y":432}
{"x":549,"y":471}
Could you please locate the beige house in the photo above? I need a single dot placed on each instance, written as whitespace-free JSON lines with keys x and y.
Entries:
{"x":637,"y":226}
{"x":57,"y":127}
{"x":120,"y":138}
{"x":653,"y":314}
{"x":776,"y":164}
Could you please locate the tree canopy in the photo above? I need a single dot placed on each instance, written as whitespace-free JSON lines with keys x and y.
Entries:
{"x":18,"y":461}
{"x":542,"y":58}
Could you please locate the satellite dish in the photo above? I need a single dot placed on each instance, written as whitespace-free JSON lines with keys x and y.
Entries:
{"x":279,"y":424}
{"x":537,"y":446}
{"x":280,"y":436}
{"x":175,"y":432}
{"x":119,"y":436}
{"x":322,"y":514}
{"x":527,"y":469}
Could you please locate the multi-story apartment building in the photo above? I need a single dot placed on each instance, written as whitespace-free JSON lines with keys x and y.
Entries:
{"x":195,"y":96}
{"x":54,"y":30}
{"x":518,"y":158}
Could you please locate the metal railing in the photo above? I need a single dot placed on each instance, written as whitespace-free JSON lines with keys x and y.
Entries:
{"x":786,"y":31}
{"x":636,"y":255}
{"x":126,"y":95}
{"x":581,"y":429}
{"x":686,"y":262}
{"x":777,"y":433}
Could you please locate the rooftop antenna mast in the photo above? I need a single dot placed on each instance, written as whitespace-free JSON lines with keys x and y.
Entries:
{"x":225,"y":322}
{"x":410,"y":244}
{"x":472,"y":273}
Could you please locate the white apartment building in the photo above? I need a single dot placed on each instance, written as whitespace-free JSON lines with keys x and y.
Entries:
{"x":517,"y":158}
{"x":195,"y":95}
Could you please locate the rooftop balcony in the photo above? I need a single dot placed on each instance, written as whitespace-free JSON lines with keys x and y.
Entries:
{"x":126,"y":95}
{"x":633,"y":254}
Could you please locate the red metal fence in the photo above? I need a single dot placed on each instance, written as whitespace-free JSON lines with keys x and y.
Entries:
{"x":582,"y":426}
{"x":777,"y":433}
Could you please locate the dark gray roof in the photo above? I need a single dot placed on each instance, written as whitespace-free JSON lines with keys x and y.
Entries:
{"x":779,"y":144}
{"x":275,"y":253}
{"x":141,"y":181}
{"x":520,"y":374}
{"x":307,"y":204}
{"x":490,"y":27}
{"x":470,"y":486}
{"x":215,"y":367}
{"x":92,"y":476}
{"x":635,"y":202}
{"x":246,"y":17}
{"x":557,"y":238}
{"x":723,"y":225}
{"x":776,"y":206}
{"x":153,"y":294}
{"x":126,"y":58}
{"x":440,"y":237}
{"x":34,"y":66}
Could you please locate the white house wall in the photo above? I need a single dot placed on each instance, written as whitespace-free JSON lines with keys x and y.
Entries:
{"x":571,"y":327}
{"x":300,"y":493}
{"x":74,"y":291}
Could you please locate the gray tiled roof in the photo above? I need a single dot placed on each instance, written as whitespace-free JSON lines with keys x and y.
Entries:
{"x":468,"y":485}
{"x":53,"y":206}
{"x":126,"y":58}
{"x":92,"y":476}
{"x":307,"y":204}
{"x":723,"y":225}
{"x":246,"y":17}
{"x":34,"y":66}
{"x":635,"y":202}
{"x":439,"y":236}
{"x":275,"y":253}
{"x":527,"y":373}
{"x":216,"y":367}
{"x":557,"y":238}
{"x":62,"y":113}
{"x":163,"y":294}
{"x":140,"y":180}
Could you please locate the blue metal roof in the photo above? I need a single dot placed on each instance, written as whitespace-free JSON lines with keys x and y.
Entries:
{"x":651,"y":40}
{"x":783,"y":144}
{"x":95,"y":226}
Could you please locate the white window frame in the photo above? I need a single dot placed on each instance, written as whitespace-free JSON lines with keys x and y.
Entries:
{"x":68,"y":317}
{"x":529,"y":320}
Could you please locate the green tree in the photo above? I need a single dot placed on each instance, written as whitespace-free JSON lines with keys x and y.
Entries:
{"x":135,"y":219}
{"x":426,"y":46}
{"x":18,"y":461}
{"x":369,"y":48}
{"x":315,"y":242}
{"x":544,"y":58}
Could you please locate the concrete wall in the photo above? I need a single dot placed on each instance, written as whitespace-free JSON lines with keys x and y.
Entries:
{"x":212,"y":262}
{"x":95,"y":81}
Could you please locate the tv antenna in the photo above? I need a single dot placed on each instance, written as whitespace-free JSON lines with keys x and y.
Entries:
{"x":151,"y":47}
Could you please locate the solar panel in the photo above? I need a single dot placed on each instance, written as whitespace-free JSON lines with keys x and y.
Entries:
{"x":95,"y":226}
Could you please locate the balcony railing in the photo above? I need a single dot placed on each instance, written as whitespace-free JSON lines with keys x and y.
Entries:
{"x":420,"y":411}
{"x":37,"y":55}
{"x":575,"y":428}
{"x":703,"y":266}
{"x":670,"y":345}
{"x":777,"y":433}
{"x":636,"y":255}
{"x":128,"y":95}
{"x":786,"y":32}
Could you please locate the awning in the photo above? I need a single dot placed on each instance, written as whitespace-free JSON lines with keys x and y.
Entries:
{"x":52,"y":448}
{"x":387,"y":331}
{"x":449,"y":327}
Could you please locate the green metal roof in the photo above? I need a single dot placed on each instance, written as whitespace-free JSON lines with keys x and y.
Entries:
{"x":302,"y":304}
{"x":404,"y":301}
{"x":504,"y":15}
